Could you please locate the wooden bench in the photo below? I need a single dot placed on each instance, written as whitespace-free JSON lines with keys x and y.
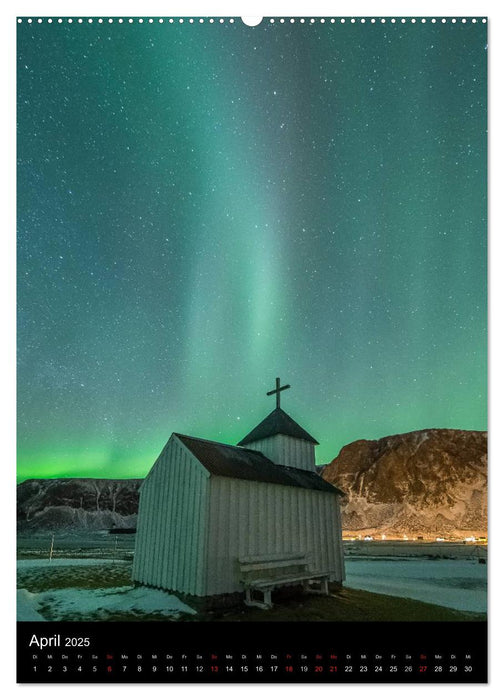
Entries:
{"x":266,"y":572}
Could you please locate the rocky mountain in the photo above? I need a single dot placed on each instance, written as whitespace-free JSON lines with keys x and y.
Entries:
{"x":424,"y":483}
{"x":77,"y":504}
{"x":430,"y":483}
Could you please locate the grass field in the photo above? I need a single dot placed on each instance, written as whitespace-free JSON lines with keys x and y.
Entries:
{"x":351,"y":605}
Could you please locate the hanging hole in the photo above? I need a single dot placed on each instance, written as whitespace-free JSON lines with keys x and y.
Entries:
{"x":251,"y":21}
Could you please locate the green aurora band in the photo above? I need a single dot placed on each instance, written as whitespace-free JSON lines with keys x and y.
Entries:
{"x":202,"y":208}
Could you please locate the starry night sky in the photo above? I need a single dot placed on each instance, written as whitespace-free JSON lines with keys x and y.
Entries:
{"x":202,"y":208}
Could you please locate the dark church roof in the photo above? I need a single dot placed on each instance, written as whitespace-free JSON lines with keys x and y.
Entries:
{"x":277,"y":423}
{"x":241,"y":463}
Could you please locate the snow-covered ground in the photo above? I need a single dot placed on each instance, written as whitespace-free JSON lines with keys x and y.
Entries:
{"x":27,"y":607}
{"x":24,"y":564}
{"x":459,"y":584}
{"x":72,"y":602}
{"x":65,"y":602}
{"x":454,"y":583}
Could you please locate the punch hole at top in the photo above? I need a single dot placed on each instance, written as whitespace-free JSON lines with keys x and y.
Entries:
{"x":251,"y":21}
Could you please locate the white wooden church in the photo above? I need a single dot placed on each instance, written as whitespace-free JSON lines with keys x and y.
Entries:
{"x":218,"y":519}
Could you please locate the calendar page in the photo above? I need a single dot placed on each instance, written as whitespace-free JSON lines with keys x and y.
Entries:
{"x":252,"y":349}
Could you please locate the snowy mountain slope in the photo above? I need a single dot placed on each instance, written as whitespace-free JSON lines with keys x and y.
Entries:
{"x":77,"y":504}
{"x":427,"y":482}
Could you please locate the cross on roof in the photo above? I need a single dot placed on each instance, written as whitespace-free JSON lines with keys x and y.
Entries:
{"x":277,"y":391}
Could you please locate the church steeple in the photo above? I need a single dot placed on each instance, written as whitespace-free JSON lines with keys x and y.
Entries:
{"x":281,"y":439}
{"x":277,"y":423}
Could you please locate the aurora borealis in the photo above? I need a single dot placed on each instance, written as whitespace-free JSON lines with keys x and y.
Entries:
{"x":205,"y":207}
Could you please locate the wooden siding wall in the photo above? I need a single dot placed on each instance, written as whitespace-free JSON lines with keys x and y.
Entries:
{"x":289,"y":451}
{"x":248,"y":518}
{"x":340,"y":536}
{"x":170,"y":539}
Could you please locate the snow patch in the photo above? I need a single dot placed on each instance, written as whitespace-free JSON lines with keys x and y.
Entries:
{"x":65,"y":602}
{"x":27,"y":607}
{"x":55,"y":563}
{"x":461,"y":584}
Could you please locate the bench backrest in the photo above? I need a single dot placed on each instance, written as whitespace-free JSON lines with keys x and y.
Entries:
{"x":273,"y":565}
